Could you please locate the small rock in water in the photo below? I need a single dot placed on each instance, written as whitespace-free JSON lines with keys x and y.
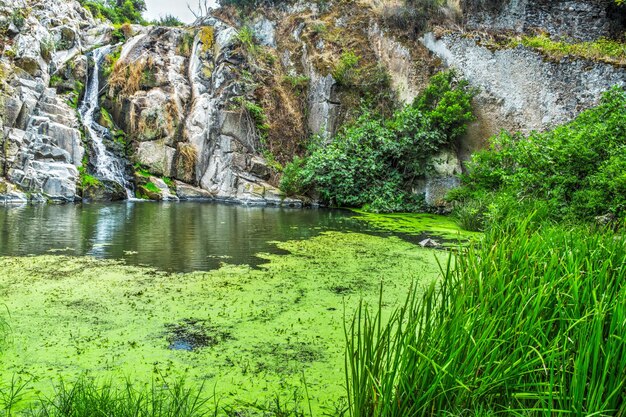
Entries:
{"x":429,"y":243}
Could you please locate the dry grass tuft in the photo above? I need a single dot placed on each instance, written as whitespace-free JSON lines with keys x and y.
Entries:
{"x":127,"y":79}
{"x":187,"y":157}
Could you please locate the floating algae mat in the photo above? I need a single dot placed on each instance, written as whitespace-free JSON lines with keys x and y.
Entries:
{"x":251,"y":334}
{"x":419,"y":224}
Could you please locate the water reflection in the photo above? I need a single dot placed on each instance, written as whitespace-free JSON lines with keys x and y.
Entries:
{"x":175,"y":237}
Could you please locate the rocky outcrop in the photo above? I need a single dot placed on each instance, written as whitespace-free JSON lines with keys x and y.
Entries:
{"x":184,"y":117}
{"x":519,"y":89}
{"x":181,"y":101}
{"x":42,"y":144}
{"x":577,"y":19}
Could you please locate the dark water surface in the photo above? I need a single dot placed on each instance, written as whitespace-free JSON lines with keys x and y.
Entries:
{"x":178,"y":237}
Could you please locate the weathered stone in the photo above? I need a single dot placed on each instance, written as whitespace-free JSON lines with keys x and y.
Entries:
{"x":157,"y":156}
{"x":164,"y":189}
{"x":264,"y":30}
{"x":578,"y":19}
{"x":259,"y":168}
{"x":104,"y":191}
{"x":429,"y":243}
{"x":187,"y":192}
{"x":509,"y":89}
{"x":9,"y":194}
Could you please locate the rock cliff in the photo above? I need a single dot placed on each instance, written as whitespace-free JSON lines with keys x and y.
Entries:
{"x":214,"y":110}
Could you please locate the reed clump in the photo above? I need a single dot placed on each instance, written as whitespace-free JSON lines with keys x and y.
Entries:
{"x":532,"y":322}
{"x":90,"y":398}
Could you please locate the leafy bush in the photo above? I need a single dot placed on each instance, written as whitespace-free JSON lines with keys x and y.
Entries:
{"x":576,"y":170}
{"x":168,"y":20}
{"x":116,"y":11}
{"x":345,"y":72}
{"x":246,"y":38}
{"x":375,"y":162}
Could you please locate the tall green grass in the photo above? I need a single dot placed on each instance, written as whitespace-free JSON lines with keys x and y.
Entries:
{"x":531,"y":322}
{"x":88,"y":398}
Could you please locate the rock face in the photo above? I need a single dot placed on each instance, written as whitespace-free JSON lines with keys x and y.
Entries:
{"x":183,"y":98}
{"x":578,"y":19}
{"x":42,"y":143}
{"x":519,"y":90}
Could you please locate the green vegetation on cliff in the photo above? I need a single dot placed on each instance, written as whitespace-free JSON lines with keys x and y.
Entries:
{"x":117,"y":11}
{"x":374,"y":162}
{"x":573,"y":172}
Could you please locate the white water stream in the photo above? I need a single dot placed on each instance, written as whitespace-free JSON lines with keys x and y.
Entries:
{"x":108,"y":166}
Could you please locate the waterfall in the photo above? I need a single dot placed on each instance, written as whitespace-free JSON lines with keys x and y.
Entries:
{"x":108,"y":166}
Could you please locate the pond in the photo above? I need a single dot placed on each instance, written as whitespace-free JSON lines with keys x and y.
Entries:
{"x":181,"y":237}
{"x":249,"y":301}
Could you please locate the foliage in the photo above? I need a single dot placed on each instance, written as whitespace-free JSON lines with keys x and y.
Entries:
{"x":168,"y":20}
{"x":185,"y":44}
{"x":246,"y":38}
{"x":292,"y":181}
{"x":375,"y":162}
{"x":606,"y":50}
{"x":47,"y":48}
{"x":18,"y":17}
{"x":132,"y":77}
{"x":150,"y":186}
{"x":207,"y":38}
{"x":122,"y":33}
{"x":256,"y":114}
{"x":576,"y":171}
{"x":90,"y":398}
{"x":87,"y":180}
{"x":345,"y":72}
{"x":116,"y":11}
{"x":297,"y":82}
{"x":529,"y":322}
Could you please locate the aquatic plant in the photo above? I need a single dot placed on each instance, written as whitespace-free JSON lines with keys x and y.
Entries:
{"x":530,"y":322}
{"x":89,"y":398}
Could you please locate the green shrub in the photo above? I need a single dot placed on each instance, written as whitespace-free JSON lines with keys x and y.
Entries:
{"x":185,"y":44}
{"x":89,"y":180}
{"x":168,"y":20}
{"x":575,"y":170}
{"x":18,"y":17}
{"x":345,"y":72}
{"x":256,"y":114}
{"x":291,"y":183}
{"x":116,"y":11}
{"x":246,"y":38}
{"x":375,"y":162}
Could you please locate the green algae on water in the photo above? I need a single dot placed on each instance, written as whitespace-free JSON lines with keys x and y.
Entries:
{"x":417,"y":224}
{"x":253,"y":334}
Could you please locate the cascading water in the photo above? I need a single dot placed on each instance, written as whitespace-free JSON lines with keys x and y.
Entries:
{"x":107,"y":165}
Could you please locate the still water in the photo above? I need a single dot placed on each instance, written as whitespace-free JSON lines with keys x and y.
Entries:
{"x":178,"y":237}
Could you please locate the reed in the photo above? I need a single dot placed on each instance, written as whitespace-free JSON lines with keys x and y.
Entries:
{"x":532,"y":322}
{"x":89,"y":398}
